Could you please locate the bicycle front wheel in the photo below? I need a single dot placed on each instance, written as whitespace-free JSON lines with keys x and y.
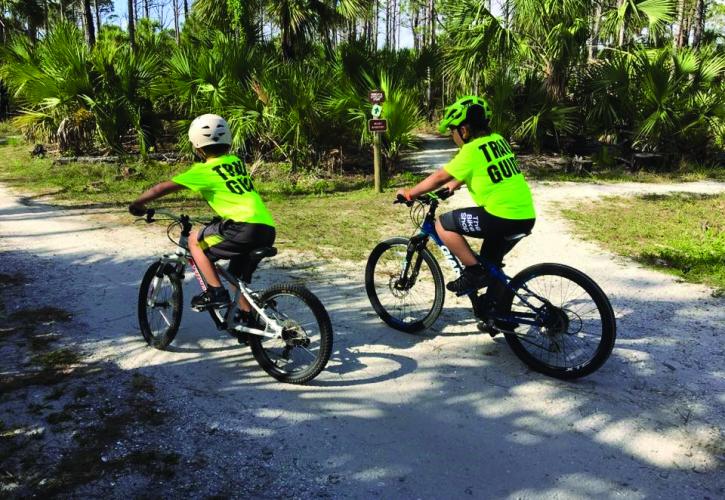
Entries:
{"x":160,"y":300}
{"x":408,"y":303}
{"x":306,"y":343}
{"x":576,"y":327}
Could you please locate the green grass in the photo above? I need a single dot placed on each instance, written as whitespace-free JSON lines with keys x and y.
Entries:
{"x":682,"y":234}
{"x":343,"y":226}
{"x":332,"y":216}
{"x":691,"y":173}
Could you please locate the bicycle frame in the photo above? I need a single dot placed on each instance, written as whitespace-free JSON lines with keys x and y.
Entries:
{"x":182,"y":257}
{"x":428,"y":232}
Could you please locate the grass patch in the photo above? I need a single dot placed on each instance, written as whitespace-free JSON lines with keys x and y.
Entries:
{"x":682,"y":234}
{"x":142,"y":383}
{"x":55,"y":360}
{"x":687,"y":173}
{"x":46,"y":314}
{"x":7,"y":129}
{"x":343,"y":226}
{"x":329,"y":215}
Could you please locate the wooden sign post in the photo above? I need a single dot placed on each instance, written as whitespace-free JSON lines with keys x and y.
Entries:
{"x":377,"y":126}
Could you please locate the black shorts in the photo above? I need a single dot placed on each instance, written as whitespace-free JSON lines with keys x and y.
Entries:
{"x":227,"y":239}
{"x":477,"y":223}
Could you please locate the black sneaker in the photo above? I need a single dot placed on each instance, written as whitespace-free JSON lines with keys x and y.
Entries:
{"x":487,"y":327}
{"x":471,"y":279}
{"x":212,"y":297}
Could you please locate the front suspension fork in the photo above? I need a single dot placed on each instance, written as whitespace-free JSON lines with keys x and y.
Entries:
{"x":415,"y":245}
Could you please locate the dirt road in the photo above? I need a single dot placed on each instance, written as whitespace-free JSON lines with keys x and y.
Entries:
{"x":450,"y":413}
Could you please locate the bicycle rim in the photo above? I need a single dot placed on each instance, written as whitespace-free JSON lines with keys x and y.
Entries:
{"x":160,"y":302}
{"x":578,"y":332}
{"x":412,"y":306}
{"x":306,"y":343}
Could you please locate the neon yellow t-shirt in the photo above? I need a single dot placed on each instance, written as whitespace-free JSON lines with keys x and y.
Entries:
{"x":227,"y":187}
{"x":490,"y":170}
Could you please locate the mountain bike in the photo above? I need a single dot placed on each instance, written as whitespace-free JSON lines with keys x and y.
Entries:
{"x":555,"y":318}
{"x":290,"y":334}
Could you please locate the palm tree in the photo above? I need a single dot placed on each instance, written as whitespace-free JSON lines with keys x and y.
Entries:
{"x":299,"y":20}
{"x":631,"y":16}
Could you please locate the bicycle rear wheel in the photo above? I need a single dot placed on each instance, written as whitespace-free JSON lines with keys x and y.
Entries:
{"x":306,"y":343}
{"x":411,"y":303}
{"x":577,"y":330}
{"x":160,"y":300}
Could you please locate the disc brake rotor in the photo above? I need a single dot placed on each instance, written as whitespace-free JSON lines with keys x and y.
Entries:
{"x":395,"y":288}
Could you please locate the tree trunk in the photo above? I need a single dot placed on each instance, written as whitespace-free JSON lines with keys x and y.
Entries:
{"x":623,"y":26}
{"x":686,"y":28}
{"x":98,"y":15}
{"x":146,"y":9}
{"x":387,"y":23}
{"x":131,"y":26}
{"x":398,"y":17}
{"x":175,"y":6}
{"x":393,"y":15}
{"x":376,"y":28}
{"x":414,"y":24}
{"x":432,"y":23}
{"x":681,"y":23}
{"x":595,"y":32}
{"x":699,"y":23}
{"x":186,"y":9}
{"x":88,"y":23}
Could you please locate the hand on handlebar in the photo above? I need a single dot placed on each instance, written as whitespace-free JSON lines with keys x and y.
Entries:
{"x":403,"y":196}
{"x":137,"y":210}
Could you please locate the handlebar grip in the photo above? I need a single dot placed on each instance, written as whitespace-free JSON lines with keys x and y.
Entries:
{"x":150,"y":215}
{"x":401,"y":199}
{"x":444,"y":193}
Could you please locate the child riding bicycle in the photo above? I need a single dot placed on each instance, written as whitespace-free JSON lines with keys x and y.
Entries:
{"x":223,"y":181}
{"x":488,"y":167}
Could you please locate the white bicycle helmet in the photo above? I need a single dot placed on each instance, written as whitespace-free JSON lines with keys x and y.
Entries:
{"x":209,"y":129}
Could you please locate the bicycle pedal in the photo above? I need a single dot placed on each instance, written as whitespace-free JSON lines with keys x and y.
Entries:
{"x":466,"y":293}
{"x":487,"y":327}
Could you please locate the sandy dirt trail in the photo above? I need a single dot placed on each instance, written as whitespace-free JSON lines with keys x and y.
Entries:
{"x":449,"y":413}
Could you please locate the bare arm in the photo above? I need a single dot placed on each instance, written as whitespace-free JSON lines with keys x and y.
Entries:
{"x":454,"y":184}
{"x":159,"y":190}
{"x":430,"y":183}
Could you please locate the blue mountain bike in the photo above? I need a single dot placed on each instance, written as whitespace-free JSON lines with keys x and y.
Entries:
{"x":555,"y":318}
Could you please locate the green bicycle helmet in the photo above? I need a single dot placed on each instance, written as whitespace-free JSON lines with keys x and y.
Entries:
{"x":456,"y":113}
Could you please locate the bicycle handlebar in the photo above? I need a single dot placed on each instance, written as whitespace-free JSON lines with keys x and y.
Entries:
{"x":426,"y":199}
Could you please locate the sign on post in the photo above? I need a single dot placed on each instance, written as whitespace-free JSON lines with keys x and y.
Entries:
{"x":376,"y":96}
{"x":376,"y":125}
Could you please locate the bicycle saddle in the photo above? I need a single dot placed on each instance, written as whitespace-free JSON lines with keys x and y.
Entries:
{"x":516,"y":237}
{"x":261,"y":253}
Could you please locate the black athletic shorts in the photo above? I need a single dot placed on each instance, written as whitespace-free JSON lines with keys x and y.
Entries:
{"x":477,"y":223}
{"x":226,"y":239}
